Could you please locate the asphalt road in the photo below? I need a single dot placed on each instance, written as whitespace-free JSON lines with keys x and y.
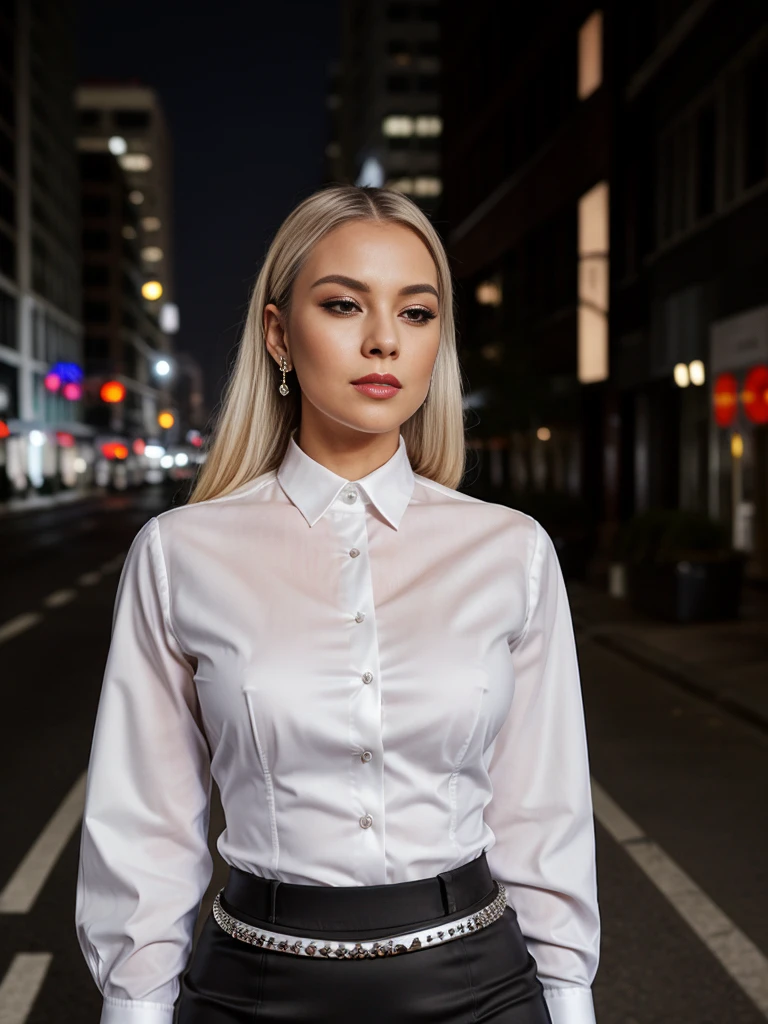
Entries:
{"x":689,"y":776}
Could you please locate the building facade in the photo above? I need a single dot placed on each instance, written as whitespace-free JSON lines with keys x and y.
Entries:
{"x":40,"y":325}
{"x":385,"y":98}
{"x":605,"y":195}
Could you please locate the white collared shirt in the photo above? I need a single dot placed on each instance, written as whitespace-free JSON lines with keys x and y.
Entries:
{"x":382,"y":678}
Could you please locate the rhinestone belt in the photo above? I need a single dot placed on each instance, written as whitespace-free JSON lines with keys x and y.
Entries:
{"x":351,"y":950}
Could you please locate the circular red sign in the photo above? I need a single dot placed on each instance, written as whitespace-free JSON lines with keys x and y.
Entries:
{"x":755,"y":394}
{"x":725,"y":399}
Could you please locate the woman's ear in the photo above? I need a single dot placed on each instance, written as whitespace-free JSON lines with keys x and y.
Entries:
{"x":274,"y":333}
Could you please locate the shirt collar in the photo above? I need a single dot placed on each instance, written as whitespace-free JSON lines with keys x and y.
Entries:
{"x":313,"y":487}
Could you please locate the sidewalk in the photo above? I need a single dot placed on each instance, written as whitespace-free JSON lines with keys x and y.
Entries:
{"x":725,"y":662}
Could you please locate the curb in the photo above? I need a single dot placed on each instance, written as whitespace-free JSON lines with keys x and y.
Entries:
{"x":699,"y":681}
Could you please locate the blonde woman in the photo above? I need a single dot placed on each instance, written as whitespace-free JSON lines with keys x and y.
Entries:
{"x":378,"y":670}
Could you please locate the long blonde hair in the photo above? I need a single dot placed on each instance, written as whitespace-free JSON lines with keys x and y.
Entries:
{"x":255,"y":421}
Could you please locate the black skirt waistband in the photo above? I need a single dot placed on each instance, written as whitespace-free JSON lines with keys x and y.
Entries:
{"x":326,"y":908}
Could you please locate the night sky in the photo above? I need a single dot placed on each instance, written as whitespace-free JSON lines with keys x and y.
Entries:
{"x":243,"y":86}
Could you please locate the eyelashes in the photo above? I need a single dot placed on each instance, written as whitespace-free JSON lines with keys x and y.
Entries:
{"x":427,"y":314}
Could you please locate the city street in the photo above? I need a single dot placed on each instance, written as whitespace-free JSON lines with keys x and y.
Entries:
{"x":679,"y":787}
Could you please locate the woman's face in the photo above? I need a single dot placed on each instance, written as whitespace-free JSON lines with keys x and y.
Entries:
{"x":365,"y":301}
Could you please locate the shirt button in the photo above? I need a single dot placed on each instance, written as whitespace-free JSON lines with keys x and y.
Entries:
{"x":366,"y":821}
{"x":359,"y":617}
{"x":367,"y":677}
{"x":366,"y":755}
{"x":350,"y":495}
{"x":354,"y":553}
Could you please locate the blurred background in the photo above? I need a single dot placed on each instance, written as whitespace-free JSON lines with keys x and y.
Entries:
{"x":599,"y":175}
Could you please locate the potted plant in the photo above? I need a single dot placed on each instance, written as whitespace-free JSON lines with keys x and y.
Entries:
{"x":681,"y":566}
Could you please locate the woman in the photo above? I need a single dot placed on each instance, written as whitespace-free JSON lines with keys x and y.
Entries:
{"x":378,"y":670}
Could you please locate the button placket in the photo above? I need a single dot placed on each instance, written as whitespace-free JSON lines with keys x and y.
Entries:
{"x":365,"y":734}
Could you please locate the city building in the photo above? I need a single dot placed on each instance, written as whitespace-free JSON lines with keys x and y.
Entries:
{"x":605,"y":199}
{"x":129,"y":314}
{"x":385,"y":98}
{"x":126,"y":118}
{"x":44,"y":443}
{"x":123,"y":338}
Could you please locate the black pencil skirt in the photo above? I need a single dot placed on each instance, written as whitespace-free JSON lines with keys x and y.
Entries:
{"x":486,"y":975}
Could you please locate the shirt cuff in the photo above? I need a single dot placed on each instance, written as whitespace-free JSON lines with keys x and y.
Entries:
{"x":571,"y":1005}
{"x":130,"y":1011}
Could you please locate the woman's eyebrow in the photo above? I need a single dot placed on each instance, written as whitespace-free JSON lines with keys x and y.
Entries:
{"x":350,"y":282}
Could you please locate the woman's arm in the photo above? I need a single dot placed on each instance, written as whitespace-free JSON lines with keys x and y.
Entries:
{"x":541,"y":811}
{"x":144,"y":859}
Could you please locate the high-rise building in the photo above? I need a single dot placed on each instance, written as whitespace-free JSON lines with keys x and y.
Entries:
{"x":385,"y":98}
{"x":125,"y":161}
{"x":123,"y":338}
{"x":127,"y":119}
{"x":39,"y":247}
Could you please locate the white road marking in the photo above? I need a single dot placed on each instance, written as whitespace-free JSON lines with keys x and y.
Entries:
{"x":60,"y":597}
{"x":25,"y":884}
{"x":88,"y":579}
{"x":18,"y":624}
{"x":20,"y":986}
{"x":738,"y":954}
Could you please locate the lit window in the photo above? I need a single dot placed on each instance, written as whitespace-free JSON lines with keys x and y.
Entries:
{"x":136,"y":197}
{"x":429,"y":125}
{"x":593,"y":285}
{"x":129,"y":232}
{"x":397,"y":125}
{"x":427,"y":186}
{"x":404,"y":185}
{"x":590,"y":55}
{"x":152,"y":254}
{"x":150,"y":223}
{"x":488,"y":293}
{"x":135,"y":161}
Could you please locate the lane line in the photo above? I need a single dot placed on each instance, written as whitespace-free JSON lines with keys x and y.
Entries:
{"x":88,"y":579}
{"x":20,"y":986}
{"x":740,"y":957}
{"x":18,"y":624}
{"x":23,"y":887}
{"x":59,"y":598}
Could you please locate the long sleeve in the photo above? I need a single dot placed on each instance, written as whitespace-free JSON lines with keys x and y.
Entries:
{"x":541,"y":809}
{"x":144,"y":860}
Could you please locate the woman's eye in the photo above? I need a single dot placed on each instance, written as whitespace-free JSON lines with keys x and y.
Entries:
{"x":425,"y":315}
{"x":340,"y":302}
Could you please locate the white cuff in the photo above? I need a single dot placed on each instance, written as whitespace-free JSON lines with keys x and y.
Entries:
{"x":130,"y":1011}
{"x":571,"y":1005}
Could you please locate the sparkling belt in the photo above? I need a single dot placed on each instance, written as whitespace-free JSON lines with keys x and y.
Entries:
{"x":410,"y":943}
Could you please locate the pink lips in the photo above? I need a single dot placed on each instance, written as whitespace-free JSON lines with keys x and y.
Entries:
{"x":377,"y":385}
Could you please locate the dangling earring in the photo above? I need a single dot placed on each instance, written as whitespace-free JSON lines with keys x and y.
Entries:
{"x":283,"y":387}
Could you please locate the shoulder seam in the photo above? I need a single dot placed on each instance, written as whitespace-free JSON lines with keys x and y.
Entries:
{"x":450,"y":492}
{"x":529,"y":583}
{"x":165,"y":588}
{"x":269,"y":476}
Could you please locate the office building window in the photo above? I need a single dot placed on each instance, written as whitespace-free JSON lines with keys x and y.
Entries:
{"x":590,"y":55}
{"x":96,"y":276}
{"x":89,"y":118}
{"x":756,"y":120}
{"x":398,"y":83}
{"x":96,"y":312}
{"x":428,"y":83}
{"x":705,"y":160}
{"x":593,"y":247}
{"x":95,"y":240}
{"x":95,"y":206}
{"x":131,"y":118}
